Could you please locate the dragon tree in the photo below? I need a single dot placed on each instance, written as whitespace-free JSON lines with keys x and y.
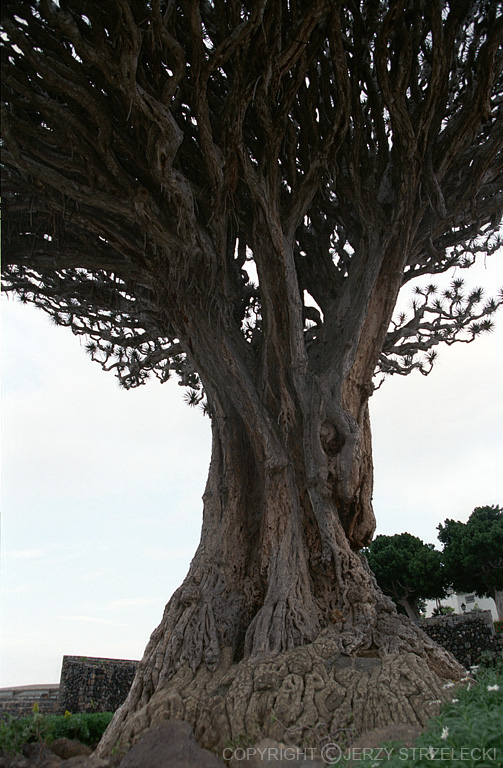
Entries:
{"x":235,"y":193}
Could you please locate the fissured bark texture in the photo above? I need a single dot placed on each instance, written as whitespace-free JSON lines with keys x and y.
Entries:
{"x":278,"y":598}
{"x":301,"y":696}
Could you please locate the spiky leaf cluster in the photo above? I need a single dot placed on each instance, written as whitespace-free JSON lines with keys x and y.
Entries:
{"x":438,"y":317}
{"x":148,"y":145}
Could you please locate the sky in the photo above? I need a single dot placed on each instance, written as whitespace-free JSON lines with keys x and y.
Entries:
{"x":101,"y":487}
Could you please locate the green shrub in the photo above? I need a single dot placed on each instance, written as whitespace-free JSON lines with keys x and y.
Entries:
{"x":491,"y":660}
{"x":14,"y":732}
{"x":498,"y":626}
{"x":87,"y":728}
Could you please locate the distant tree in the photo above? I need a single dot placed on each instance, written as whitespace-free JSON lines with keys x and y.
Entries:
{"x":473,"y":553}
{"x":407,"y":569}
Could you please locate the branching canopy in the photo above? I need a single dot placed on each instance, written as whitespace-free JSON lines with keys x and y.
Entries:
{"x":148,"y":143}
{"x":473,"y":551}
{"x":406,"y":568}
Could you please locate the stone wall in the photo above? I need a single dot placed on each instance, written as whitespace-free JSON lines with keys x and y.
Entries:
{"x":87,"y":684}
{"x":94,"y":685}
{"x":20,"y":701}
{"x":466,"y":636}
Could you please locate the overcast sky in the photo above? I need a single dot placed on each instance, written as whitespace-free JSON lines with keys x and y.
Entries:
{"x":101,"y":491}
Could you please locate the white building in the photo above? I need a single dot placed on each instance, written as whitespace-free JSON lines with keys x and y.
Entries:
{"x":470,"y":601}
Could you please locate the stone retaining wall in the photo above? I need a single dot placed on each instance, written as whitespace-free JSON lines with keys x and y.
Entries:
{"x":466,"y":636}
{"x":19,"y":701}
{"x":87,"y":684}
{"x":91,"y":684}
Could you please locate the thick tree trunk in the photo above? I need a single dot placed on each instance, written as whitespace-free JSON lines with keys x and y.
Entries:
{"x":278,"y":559}
{"x":287,"y":509}
{"x":278,"y":567}
{"x":498,"y":599}
{"x":410,"y":608}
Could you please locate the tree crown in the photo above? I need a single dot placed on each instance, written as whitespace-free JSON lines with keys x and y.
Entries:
{"x":473,"y":551}
{"x":406,"y":567}
{"x":242,"y":158}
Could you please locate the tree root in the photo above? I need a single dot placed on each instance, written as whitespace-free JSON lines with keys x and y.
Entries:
{"x":303,"y":695}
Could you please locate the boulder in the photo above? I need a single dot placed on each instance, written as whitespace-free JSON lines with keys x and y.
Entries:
{"x":404,"y":733}
{"x":169,"y":743}
{"x":85,"y":761}
{"x":13,"y":761}
{"x":39,"y":755}
{"x":67,"y":748}
{"x":398,"y":734}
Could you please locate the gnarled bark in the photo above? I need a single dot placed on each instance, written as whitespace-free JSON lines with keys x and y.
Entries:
{"x":278,"y":570}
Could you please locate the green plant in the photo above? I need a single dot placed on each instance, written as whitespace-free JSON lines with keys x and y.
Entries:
{"x":498,"y":626}
{"x":120,"y":748}
{"x":492,"y":660}
{"x":16,"y":731}
{"x":39,"y":726}
{"x":465,"y":734}
{"x":87,"y":728}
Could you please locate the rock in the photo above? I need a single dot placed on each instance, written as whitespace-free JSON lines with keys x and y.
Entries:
{"x":85,"y":761}
{"x":13,"y":761}
{"x":401,"y":732}
{"x":39,"y":755}
{"x":51,"y":761}
{"x":67,"y":748}
{"x":172,"y":744}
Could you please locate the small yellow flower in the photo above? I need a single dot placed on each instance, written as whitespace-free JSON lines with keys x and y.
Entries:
{"x":445,"y":733}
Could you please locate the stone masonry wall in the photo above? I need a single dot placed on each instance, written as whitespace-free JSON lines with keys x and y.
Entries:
{"x":466,"y":636}
{"x":19,"y":702}
{"x":94,"y":685}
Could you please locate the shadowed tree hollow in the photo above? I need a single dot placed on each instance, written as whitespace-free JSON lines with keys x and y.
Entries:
{"x":236,"y":192}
